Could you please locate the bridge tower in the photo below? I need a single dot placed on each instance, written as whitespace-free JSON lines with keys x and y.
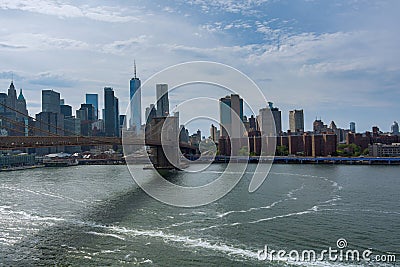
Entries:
{"x":162,"y":136}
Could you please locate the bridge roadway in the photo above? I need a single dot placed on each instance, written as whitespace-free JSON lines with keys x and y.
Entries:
{"x":16,"y":142}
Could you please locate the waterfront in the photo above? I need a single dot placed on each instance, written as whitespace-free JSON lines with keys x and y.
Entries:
{"x":96,"y":215}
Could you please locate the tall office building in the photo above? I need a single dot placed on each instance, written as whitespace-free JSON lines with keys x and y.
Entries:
{"x":12,"y":96}
{"x":162,"y":100}
{"x":94,"y":100}
{"x":49,"y":122}
{"x":150,"y":113}
{"x":13,"y":109}
{"x":135,"y":102}
{"x":3,"y":103}
{"x":20,"y":105}
{"x":50,"y":101}
{"x":50,"y":119}
{"x":122,"y":119}
{"x":266,"y":122}
{"x":117,"y":130}
{"x":277,"y":114}
{"x":253,"y":124}
{"x":90,"y":112}
{"x":296,"y":121}
{"x":22,"y":114}
{"x":111,"y":113}
{"x":66,"y":110}
{"x":72,"y":126}
{"x":87,"y":115}
{"x":353,"y":127}
{"x":213,"y":133}
{"x":395,"y":128}
{"x":227,"y":107}
{"x":269,"y":118}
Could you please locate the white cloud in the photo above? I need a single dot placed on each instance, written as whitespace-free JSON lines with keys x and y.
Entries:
{"x":230,"y":6}
{"x":63,"y":10}
{"x":39,"y":41}
{"x":305,"y":67}
{"x":122,"y":46}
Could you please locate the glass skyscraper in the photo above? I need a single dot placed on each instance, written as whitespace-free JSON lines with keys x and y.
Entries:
{"x":162,"y":100}
{"x":111,"y":112}
{"x":94,"y":100}
{"x":135,"y":95}
{"x":227,"y":105}
{"x":50,"y":101}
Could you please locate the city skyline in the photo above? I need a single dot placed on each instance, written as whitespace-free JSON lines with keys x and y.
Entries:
{"x":340,"y":61}
{"x":50,"y":98}
{"x":53,"y":103}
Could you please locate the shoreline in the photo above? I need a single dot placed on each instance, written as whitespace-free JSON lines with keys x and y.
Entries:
{"x":20,"y":168}
{"x":317,"y":160}
{"x":380,"y":161}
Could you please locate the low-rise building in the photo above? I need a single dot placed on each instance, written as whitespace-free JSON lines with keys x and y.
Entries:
{"x":384,"y":150}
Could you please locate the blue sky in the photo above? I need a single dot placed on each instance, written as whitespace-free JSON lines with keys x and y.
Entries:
{"x":338,"y":60}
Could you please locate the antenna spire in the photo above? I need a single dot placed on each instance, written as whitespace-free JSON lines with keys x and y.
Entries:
{"x":134,"y":68}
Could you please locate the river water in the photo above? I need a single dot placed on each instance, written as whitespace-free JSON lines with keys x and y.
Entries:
{"x":97,"y":216}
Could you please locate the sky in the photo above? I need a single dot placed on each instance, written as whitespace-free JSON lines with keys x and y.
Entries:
{"x":337,"y":60}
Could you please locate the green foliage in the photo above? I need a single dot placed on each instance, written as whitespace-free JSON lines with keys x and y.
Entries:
{"x":366,"y":151}
{"x":351,"y":150}
{"x":282,"y":151}
{"x":244,"y":151}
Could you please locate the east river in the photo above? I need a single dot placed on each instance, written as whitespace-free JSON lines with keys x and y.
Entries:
{"x":98,"y":216}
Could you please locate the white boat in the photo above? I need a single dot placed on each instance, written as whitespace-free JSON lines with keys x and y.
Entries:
{"x":59,"y":160}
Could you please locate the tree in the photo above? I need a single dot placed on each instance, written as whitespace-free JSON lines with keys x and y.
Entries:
{"x":244,"y":151}
{"x":351,"y":150}
{"x":282,"y":151}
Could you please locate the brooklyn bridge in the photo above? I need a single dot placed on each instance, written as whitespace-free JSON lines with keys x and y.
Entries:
{"x":41,"y":134}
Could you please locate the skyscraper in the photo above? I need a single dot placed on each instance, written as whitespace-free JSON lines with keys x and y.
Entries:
{"x":353,"y":127}
{"x":213,"y":133}
{"x":10,"y":113}
{"x":150,"y":113}
{"x":12,"y":96}
{"x":162,"y":100}
{"x":266,"y":123}
{"x":111,"y":113}
{"x":49,"y":122}
{"x":50,"y":119}
{"x":50,"y":101}
{"x":135,"y":102}
{"x":3,"y":103}
{"x":94,"y":100}
{"x":90,"y":112}
{"x":14,"y":109}
{"x":86,"y":114}
{"x":253,"y":124}
{"x":116,"y":125}
{"x":66,"y":110}
{"x":20,"y":105}
{"x":227,"y":107}
{"x":395,"y":128}
{"x":296,"y":121}
{"x":277,"y":114}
